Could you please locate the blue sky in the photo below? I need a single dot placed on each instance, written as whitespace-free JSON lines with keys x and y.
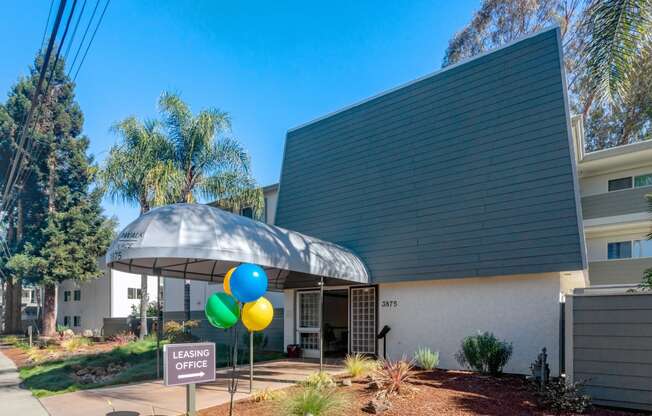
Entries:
{"x":271,"y":65}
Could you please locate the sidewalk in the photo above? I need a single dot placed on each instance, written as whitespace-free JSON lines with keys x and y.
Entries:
{"x":13,"y":399}
{"x":153,"y":398}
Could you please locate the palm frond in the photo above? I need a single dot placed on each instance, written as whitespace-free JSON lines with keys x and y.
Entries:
{"x":619,"y":29}
{"x":177,"y":119}
{"x":233,"y":190}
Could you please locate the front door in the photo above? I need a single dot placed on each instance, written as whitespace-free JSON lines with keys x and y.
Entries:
{"x":308,"y":307}
{"x":363,"y":320}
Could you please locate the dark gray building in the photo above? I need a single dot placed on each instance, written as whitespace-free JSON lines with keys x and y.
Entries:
{"x":458,"y":191}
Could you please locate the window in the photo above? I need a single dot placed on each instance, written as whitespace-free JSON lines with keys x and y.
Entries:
{"x":66,"y":321}
{"x":247,"y":212}
{"x":619,"y":250}
{"x":66,"y":296}
{"x":77,"y":295}
{"x":32,"y":297}
{"x":620,"y":183}
{"x":77,"y":321}
{"x":308,"y":320}
{"x":309,"y":310}
{"x":643,"y":180}
{"x":133,"y":293}
{"x":642,"y":248}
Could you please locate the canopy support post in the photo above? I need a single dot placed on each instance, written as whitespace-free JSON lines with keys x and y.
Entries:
{"x":159,"y":322}
{"x":321,"y":324}
{"x":251,"y":361}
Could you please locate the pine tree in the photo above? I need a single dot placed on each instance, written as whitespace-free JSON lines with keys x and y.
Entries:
{"x":65,"y":232}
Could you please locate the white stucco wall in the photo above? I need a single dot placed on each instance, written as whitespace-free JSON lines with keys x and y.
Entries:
{"x":92,"y":308}
{"x":523,"y":310}
{"x":101,"y":298}
{"x":271,"y":198}
{"x":120,"y":282}
{"x":597,"y":246}
{"x":599,"y":184}
{"x":288,"y":317}
{"x":438,"y":314}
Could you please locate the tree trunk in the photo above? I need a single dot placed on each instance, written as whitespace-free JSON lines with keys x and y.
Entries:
{"x":50,"y":310}
{"x":9,"y":307}
{"x":17,"y":295}
{"x":50,"y":288}
{"x":144,"y":302}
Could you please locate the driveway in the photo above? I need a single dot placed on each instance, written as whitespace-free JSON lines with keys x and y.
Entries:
{"x":13,"y":399}
{"x":153,"y":398}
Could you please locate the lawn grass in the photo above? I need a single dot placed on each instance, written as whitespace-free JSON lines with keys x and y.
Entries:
{"x":57,"y":376}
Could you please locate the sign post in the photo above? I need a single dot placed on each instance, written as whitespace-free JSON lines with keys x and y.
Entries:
{"x":189,"y":364}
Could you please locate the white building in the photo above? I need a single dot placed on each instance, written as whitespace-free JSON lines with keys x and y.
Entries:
{"x":614,"y":184}
{"x":83,"y":306}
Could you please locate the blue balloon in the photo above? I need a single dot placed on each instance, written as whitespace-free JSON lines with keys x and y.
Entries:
{"x":248,"y":282}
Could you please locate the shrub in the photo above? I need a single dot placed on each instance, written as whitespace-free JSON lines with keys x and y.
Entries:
{"x":319,"y":381}
{"x":393,"y":377}
{"x":484,"y":353}
{"x":268,"y":394}
{"x":178,"y":331}
{"x":426,"y":359}
{"x":123,"y":337}
{"x":559,"y":397}
{"x":358,"y":364}
{"x":316,"y":402}
{"x":74,"y":343}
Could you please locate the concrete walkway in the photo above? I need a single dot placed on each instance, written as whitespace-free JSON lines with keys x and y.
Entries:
{"x":13,"y":399}
{"x":153,"y":398}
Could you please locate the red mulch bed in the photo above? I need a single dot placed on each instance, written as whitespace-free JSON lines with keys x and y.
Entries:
{"x":438,"y":392}
{"x":18,"y":356}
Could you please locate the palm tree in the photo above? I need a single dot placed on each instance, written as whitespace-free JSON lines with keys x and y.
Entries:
{"x":209,"y":164}
{"x":620,"y":35}
{"x":139,"y":170}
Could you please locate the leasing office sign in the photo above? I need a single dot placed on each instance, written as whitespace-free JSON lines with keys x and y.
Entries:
{"x":188,"y":363}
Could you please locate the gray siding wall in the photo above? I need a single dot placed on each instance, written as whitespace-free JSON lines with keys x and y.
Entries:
{"x":618,"y":272}
{"x":465,"y":173}
{"x":206,"y":332}
{"x":612,"y":348}
{"x":626,"y":201}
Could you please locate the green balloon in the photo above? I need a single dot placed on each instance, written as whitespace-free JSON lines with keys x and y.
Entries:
{"x":222,"y":310}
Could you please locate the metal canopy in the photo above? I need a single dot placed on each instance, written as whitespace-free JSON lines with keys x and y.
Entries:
{"x":200,"y":242}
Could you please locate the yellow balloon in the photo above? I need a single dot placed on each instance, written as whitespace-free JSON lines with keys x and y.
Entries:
{"x":257,"y":315}
{"x":227,"y":281}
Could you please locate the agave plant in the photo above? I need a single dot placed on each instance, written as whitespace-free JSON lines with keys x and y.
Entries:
{"x":426,"y":358}
{"x":394,"y":377}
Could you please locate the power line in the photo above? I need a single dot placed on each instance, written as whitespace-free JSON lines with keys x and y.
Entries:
{"x":63,"y":39}
{"x":81,"y":43}
{"x":23,"y":133}
{"x":47,"y":23}
{"x":23,"y":167}
{"x":74,"y":31}
{"x":99,"y":22}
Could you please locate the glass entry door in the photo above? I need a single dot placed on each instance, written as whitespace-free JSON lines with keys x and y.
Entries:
{"x":308,"y":307}
{"x":363,"y":320}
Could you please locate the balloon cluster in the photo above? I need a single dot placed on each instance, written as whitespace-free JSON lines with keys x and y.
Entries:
{"x":247,"y":284}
